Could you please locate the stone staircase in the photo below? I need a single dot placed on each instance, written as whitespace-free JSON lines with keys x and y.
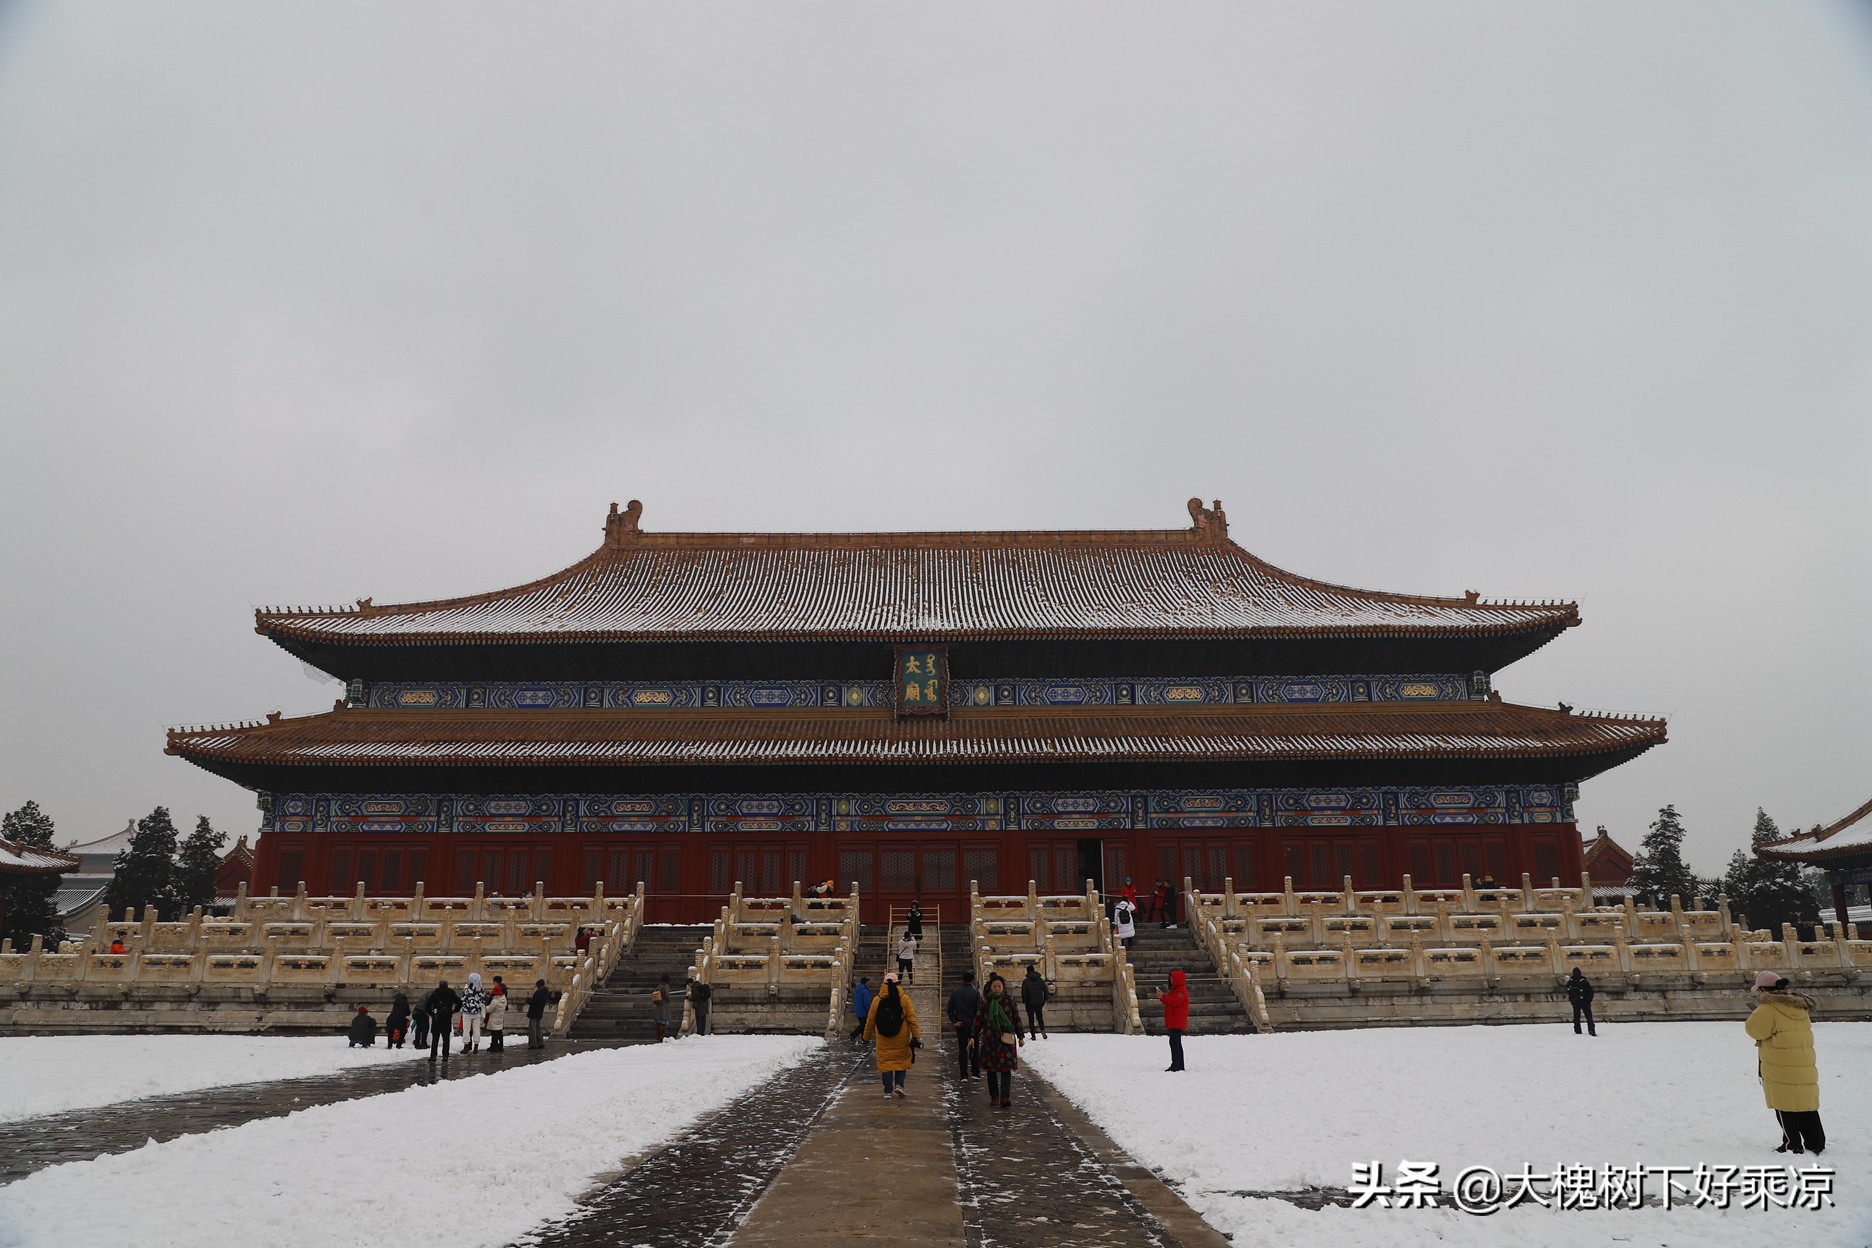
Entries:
{"x":619,"y":1011}
{"x":1213,"y":1008}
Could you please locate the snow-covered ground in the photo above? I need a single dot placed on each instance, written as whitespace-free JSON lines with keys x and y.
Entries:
{"x":1298,"y":1109}
{"x":470,"y":1163}
{"x":51,"y":1074}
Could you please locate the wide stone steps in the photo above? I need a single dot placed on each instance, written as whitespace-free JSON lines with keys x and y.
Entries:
{"x":1213,"y":1007}
{"x":620,"y":1008}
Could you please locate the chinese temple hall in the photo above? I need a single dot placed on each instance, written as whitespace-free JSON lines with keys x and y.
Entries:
{"x":910,"y":712}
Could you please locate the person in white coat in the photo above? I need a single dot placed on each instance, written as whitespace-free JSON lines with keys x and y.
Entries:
{"x":906,"y":957}
{"x":496,"y":1023}
{"x":1124,"y":924}
{"x":474,"y":999}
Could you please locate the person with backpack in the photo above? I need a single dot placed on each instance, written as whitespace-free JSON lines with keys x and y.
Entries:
{"x":964,"y":1005}
{"x":442,"y":1006}
{"x":998,"y":1038}
{"x":1579,"y":991}
{"x":536,"y":1014}
{"x":1034,"y":996}
{"x":1122,"y":925}
{"x":893,"y":1025}
{"x":861,"y":1004}
{"x":699,"y":994}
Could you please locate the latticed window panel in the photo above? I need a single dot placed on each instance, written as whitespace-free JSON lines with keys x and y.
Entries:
{"x":899,"y":870}
{"x":938,"y":871}
{"x":1546,"y":860}
{"x":983,"y":866}
{"x":721,"y":871}
{"x":341,"y":871}
{"x":464,"y":872}
{"x":856,"y":866}
{"x":291,"y":870}
{"x":795,"y":869}
{"x":669,"y":870}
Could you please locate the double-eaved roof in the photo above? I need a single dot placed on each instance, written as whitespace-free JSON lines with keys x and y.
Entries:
{"x":1186,"y":583}
{"x":19,"y":858}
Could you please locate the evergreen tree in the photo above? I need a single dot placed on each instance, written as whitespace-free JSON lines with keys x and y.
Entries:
{"x":145,"y":872}
{"x":196,"y":867}
{"x":27,"y":904}
{"x":1767,"y":891}
{"x":1658,"y":869}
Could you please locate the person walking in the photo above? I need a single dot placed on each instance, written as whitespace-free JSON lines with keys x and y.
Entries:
{"x":474,"y":999}
{"x":906,"y":957}
{"x":1579,"y":991}
{"x":1176,"y":1017}
{"x":964,"y":1005}
{"x":442,"y":1006}
{"x":496,"y":1023}
{"x":397,"y":1025}
{"x":1782,"y":1027}
{"x":420,"y":1022}
{"x":699,"y":994}
{"x":861,"y":1004}
{"x":998,"y":1038}
{"x":363,"y":1029}
{"x":893,"y":1025}
{"x":1122,"y":925}
{"x":536,"y":1014}
{"x":659,"y":1007}
{"x":1034,"y":996}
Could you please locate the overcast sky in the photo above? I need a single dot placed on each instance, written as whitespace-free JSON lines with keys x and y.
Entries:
{"x":304,"y":303}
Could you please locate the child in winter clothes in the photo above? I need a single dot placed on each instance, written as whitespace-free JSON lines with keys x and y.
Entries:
{"x":1176,"y":1017}
{"x":474,"y":999}
{"x":496,"y":1023}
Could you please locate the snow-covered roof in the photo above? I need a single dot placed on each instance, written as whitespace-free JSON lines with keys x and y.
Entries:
{"x":71,"y":901}
{"x":113,"y":844}
{"x":1847,"y":837}
{"x":930,"y":586}
{"x":21,"y":859}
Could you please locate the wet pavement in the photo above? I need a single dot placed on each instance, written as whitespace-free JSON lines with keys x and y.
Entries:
{"x":34,"y":1143}
{"x":1027,"y":1178}
{"x":698,"y":1189}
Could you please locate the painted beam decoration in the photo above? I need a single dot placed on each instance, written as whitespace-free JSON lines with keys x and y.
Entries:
{"x":922,"y":682}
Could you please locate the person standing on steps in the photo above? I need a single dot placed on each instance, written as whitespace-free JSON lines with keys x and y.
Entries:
{"x":964,"y":1005}
{"x":659,"y":1007}
{"x":1034,"y":994}
{"x":893,"y":1025}
{"x":474,"y":999}
{"x":1579,"y":991}
{"x":1782,"y":1028}
{"x":861,"y":1004}
{"x":906,"y":957}
{"x":536,"y":1014}
{"x":442,"y":1006}
{"x":1176,"y":1017}
{"x":913,"y":922}
{"x":1122,"y":925}
{"x":699,"y":994}
{"x":998,"y":1039}
{"x":1163,"y":904}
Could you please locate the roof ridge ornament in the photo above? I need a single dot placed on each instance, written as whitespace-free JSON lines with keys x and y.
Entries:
{"x":1211,"y":522}
{"x":621,"y":527}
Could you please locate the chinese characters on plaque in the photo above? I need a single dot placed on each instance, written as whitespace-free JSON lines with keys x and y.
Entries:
{"x":922,"y":680}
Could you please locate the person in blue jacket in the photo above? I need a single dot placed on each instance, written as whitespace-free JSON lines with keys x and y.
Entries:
{"x":861,"y":1004}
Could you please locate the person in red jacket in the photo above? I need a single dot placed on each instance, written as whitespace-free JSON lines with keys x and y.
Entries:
{"x":1176,"y":1017}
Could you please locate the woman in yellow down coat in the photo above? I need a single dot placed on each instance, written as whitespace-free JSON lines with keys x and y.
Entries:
{"x":1782,"y":1028}
{"x":893,"y":1024}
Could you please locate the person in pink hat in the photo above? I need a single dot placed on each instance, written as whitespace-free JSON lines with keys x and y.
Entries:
{"x":1782,"y":1028}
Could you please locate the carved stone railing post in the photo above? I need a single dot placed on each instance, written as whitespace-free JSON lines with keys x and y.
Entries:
{"x":1410,"y":896}
{"x":1289,"y":906}
{"x":1230,"y":907}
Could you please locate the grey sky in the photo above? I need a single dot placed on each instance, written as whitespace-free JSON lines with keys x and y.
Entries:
{"x":304,"y":303}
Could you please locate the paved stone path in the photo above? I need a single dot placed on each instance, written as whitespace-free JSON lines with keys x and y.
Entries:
{"x":34,"y":1143}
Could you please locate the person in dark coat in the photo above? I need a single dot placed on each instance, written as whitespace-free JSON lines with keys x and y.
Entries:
{"x":536,"y":1014}
{"x":699,"y":995}
{"x":964,"y":1005}
{"x":1579,"y":991}
{"x":398,"y":1023}
{"x":1176,"y":1017}
{"x":998,"y":1040}
{"x":419,"y":1024}
{"x":913,"y":922}
{"x":1034,"y":994}
{"x":861,"y":1004}
{"x":443,"y":1003}
{"x":363,"y":1030}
